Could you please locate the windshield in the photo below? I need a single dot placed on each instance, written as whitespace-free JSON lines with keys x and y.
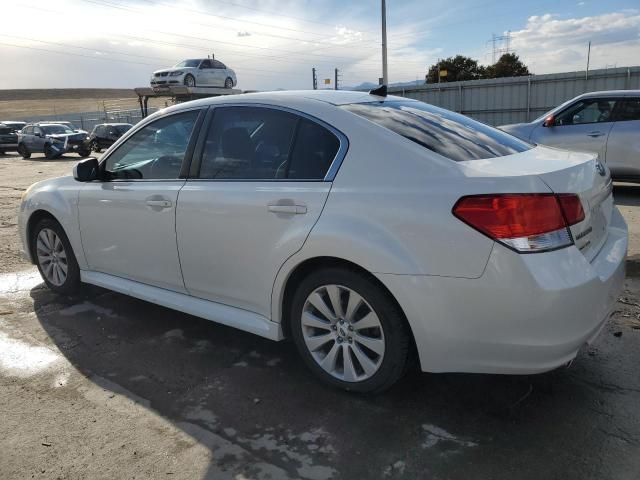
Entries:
{"x":55,"y":129}
{"x":447,"y":133}
{"x":554,"y":110}
{"x":122,"y":128}
{"x":188,"y":63}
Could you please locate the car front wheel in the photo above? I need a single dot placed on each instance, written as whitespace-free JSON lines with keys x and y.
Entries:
{"x":23,"y":151}
{"x":190,"y":81}
{"x":228,"y":83}
{"x":54,"y":257}
{"x":349,"y":331}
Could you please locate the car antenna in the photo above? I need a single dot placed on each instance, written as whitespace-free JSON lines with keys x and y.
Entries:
{"x":381,"y":91}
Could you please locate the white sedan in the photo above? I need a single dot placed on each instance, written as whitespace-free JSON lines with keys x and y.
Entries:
{"x":199,"y":72}
{"x":366,"y":227}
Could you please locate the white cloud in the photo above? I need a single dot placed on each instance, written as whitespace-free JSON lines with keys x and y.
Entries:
{"x":551,"y":44}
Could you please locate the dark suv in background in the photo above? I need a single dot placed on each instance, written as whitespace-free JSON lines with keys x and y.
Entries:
{"x":14,"y":125}
{"x":105,"y":134}
{"x":8,"y":139}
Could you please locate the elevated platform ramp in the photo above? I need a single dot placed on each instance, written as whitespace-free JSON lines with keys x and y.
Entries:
{"x":180,"y":93}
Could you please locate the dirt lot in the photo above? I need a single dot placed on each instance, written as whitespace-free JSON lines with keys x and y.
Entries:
{"x":106,"y":386}
{"x":16,"y":104}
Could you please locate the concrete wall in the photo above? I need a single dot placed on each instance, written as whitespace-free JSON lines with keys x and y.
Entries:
{"x":501,"y":101}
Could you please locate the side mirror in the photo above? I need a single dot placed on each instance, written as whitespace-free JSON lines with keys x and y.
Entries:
{"x":550,"y":121}
{"x":86,"y":170}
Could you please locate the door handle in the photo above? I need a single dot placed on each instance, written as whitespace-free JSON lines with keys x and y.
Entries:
{"x":159,"y":203}
{"x":595,"y":134}
{"x":288,"y":209}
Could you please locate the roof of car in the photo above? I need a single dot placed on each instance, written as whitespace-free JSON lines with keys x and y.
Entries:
{"x":113,"y":124}
{"x":284,"y":97}
{"x":611,"y":93}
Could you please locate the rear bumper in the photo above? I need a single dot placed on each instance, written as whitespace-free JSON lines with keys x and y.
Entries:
{"x":525,"y":314}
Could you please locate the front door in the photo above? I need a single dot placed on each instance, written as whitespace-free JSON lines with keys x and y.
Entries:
{"x":260,"y":189}
{"x":127,"y":220}
{"x":583,"y":127}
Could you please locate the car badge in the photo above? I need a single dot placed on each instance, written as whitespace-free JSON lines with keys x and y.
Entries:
{"x":600,"y":169}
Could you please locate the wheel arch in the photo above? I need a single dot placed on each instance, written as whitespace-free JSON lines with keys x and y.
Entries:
{"x":304,"y":268}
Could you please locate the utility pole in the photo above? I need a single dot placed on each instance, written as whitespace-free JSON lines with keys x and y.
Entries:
{"x":385,"y":75}
{"x":335,"y":83}
{"x":315,"y":79}
{"x":586,"y":74}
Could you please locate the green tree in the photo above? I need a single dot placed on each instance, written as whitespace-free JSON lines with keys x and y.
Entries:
{"x":509,"y":65}
{"x":457,"y":68}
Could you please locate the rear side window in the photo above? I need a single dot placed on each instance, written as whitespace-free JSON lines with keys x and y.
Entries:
{"x":627,"y":109}
{"x":258,"y":143}
{"x":446,"y":133}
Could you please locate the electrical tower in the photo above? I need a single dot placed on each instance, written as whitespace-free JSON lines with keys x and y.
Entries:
{"x":501,"y":44}
{"x":315,"y":78}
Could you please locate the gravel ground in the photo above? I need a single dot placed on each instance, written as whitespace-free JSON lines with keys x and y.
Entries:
{"x":106,"y":386}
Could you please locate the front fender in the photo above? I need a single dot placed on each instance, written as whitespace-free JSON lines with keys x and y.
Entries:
{"x":59,"y":198}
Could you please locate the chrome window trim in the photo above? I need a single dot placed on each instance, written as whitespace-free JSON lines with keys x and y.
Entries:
{"x":335,"y":163}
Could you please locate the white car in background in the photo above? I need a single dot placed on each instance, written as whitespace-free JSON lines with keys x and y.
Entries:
{"x":199,"y":72}
{"x":363,"y":226}
{"x":606,"y":123}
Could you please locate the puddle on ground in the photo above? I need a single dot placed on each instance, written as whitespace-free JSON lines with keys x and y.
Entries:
{"x":20,"y":359}
{"x":19,"y":281}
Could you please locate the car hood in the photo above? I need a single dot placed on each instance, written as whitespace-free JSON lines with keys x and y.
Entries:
{"x":169,"y":70}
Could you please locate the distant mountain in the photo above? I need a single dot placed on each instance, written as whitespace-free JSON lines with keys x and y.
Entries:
{"x":371,"y":85}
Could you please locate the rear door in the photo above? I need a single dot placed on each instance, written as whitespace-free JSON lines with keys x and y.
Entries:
{"x":205,"y":74}
{"x":583,"y":126}
{"x":623,"y":146}
{"x":261,"y":185}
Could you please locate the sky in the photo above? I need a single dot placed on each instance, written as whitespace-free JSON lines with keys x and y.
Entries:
{"x":274,"y":44}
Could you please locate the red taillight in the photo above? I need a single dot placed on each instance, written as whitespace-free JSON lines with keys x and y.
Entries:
{"x":524,"y":222}
{"x":572,"y":208}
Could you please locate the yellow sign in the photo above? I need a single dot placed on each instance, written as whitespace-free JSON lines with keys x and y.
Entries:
{"x":443,"y":73}
{"x":327,"y":81}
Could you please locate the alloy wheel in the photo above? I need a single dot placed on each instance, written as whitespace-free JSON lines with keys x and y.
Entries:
{"x":52,"y":257}
{"x":343,"y":333}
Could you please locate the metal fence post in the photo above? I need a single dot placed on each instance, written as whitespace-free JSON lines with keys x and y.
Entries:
{"x":528,"y":98}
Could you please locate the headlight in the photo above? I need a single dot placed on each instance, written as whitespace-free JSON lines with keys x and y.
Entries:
{"x":175,"y":74}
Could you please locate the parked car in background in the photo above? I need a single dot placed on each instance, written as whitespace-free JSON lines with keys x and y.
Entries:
{"x":606,"y":123}
{"x":199,"y":72}
{"x":15,"y":125}
{"x":104,"y":135}
{"x":354,"y":223}
{"x":8,"y":139}
{"x":52,"y":139}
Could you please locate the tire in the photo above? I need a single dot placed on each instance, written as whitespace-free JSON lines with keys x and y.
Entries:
{"x":228,"y":83}
{"x":49,"y":153}
{"x":59,"y":270}
{"x":378,"y":350}
{"x":23,"y":151}
{"x":95,"y":146}
{"x":84,"y":152}
{"x":189,"y":81}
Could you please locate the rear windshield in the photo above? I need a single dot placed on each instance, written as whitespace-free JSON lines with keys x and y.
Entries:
{"x":447,"y":133}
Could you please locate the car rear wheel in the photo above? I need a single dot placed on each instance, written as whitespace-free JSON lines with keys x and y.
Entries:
{"x":228,"y":83}
{"x":95,"y":146}
{"x":348,"y":330}
{"x":84,"y":151}
{"x":190,"y":81}
{"x":23,"y":151}
{"x":54,"y":257}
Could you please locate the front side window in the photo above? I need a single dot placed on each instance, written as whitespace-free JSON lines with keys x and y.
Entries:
{"x":257,"y":143}
{"x":154,"y":152}
{"x":627,"y":109}
{"x":588,"y":110}
{"x":449,"y":134}
{"x":205,"y":64}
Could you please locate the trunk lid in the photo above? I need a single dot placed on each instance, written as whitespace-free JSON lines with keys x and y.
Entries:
{"x":564,"y":172}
